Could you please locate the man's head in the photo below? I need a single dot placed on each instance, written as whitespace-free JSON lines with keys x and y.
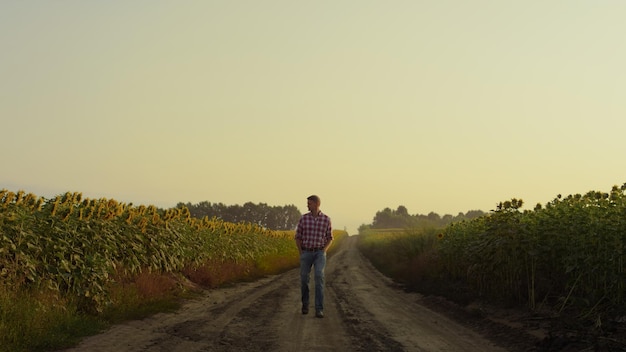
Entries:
{"x":313,"y":203}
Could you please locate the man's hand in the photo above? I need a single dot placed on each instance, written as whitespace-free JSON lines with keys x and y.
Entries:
{"x":327,"y":246}
{"x":299,"y":245}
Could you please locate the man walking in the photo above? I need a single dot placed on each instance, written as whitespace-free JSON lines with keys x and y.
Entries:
{"x":313,"y":237}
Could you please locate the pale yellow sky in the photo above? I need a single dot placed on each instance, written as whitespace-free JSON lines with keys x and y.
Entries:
{"x":444,"y":106}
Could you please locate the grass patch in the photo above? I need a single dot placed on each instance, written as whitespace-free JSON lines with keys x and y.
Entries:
{"x":32,"y":321}
{"x":41,"y":320}
{"x":404,"y":255}
{"x":411,"y":258}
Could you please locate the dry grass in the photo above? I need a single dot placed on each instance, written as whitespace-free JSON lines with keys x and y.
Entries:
{"x":215,"y":273}
{"x":155,"y":285}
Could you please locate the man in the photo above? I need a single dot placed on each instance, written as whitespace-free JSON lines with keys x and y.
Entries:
{"x":313,"y":238}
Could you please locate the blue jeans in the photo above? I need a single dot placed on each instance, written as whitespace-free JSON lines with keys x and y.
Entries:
{"x":316,"y":259}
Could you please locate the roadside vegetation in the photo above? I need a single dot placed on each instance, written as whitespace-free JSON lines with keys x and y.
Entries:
{"x":562,"y":261}
{"x":70,"y":267}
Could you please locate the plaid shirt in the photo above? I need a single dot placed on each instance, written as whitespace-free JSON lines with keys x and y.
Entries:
{"x":314,"y":231}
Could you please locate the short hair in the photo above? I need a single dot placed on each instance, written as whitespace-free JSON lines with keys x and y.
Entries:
{"x":314,"y":198}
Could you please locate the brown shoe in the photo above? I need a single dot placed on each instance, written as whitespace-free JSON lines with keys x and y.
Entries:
{"x":305,"y":310}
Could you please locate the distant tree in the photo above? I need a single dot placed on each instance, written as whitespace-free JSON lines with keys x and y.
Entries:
{"x":364,"y":228}
{"x":400,"y":218}
{"x":290,"y":217}
{"x":446,"y":219}
{"x":472,"y":214}
{"x":388,"y":218}
{"x":402,"y":211}
{"x":271,"y":217}
{"x":383,"y":219}
{"x":434,"y":217}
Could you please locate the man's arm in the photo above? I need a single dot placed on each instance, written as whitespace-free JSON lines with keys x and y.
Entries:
{"x":327,"y":245}
{"x":299,"y":245}
{"x":329,"y":236}
{"x":298,"y":237}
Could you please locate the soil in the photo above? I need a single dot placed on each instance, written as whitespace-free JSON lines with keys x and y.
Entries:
{"x":364,"y":311}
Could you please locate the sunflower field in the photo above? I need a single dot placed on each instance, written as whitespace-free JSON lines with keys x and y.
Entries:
{"x":566,"y":255}
{"x":562,"y":262}
{"x":74,"y":254}
{"x":72,"y":245}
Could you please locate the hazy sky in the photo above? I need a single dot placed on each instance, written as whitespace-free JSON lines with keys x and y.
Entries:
{"x":444,"y":106}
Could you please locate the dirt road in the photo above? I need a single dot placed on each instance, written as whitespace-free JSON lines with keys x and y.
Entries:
{"x":364,"y":312}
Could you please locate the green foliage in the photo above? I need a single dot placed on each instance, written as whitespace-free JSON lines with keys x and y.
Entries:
{"x":92,"y":254}
{"x":569,"y":253}
{"x":566,"y":257}
{"x":395,"y":252}
{"x":32,"y":321}
{"x":72,"y":246}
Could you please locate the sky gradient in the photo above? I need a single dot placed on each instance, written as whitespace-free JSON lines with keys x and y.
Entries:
{"x":443,"y":106}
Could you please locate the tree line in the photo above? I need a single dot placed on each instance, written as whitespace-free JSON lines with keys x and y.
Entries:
{"x":400,"y":218}
{"x":271,"y":217}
